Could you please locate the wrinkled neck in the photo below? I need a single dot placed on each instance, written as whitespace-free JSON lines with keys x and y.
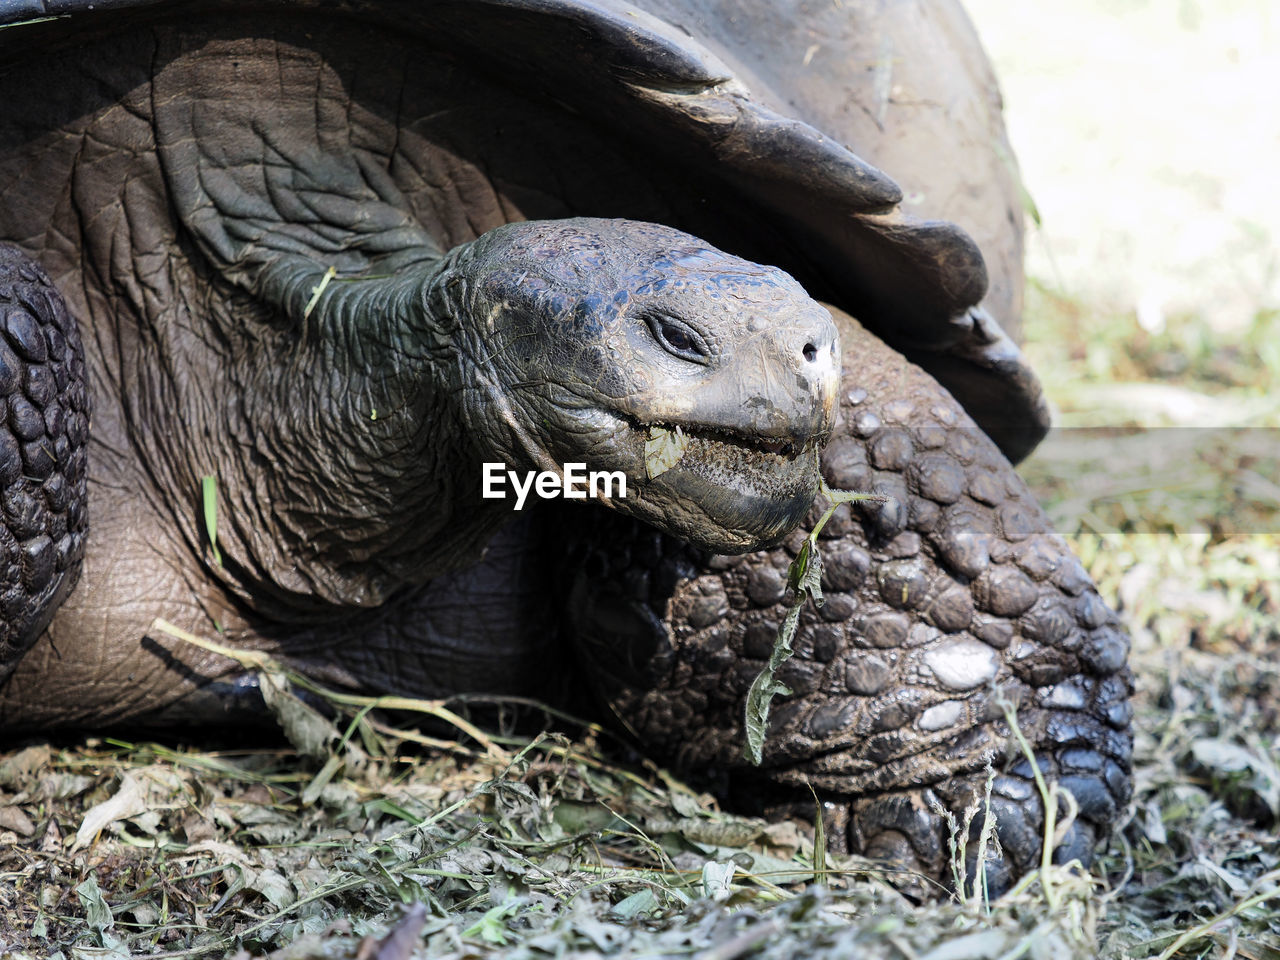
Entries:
{"x":371,"y":481}
{"x":495,"y":406}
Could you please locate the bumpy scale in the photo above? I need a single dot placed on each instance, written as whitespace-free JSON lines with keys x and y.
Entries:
{"x":939,"y":603}
{"x":43,"y":461}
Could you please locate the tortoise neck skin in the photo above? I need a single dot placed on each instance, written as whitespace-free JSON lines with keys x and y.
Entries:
{"x":536,"y":345}
{"x":373,"y":374}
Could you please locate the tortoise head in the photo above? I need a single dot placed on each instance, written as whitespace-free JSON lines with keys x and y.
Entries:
{"x":590,"y":340}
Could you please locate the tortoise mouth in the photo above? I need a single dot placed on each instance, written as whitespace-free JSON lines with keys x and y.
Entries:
{"x":779,"y":448}
{"x":730,"y":491}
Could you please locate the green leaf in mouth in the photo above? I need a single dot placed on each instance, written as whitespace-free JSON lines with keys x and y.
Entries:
{"x":663,"y":450}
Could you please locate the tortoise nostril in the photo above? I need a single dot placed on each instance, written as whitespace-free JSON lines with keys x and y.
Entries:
{"x":810,"y":352}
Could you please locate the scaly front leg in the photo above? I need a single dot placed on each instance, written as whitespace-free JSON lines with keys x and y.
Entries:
{"x":941,"y":603}
{"x":43,"y":458}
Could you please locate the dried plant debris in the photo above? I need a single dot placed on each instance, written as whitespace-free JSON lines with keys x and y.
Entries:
{"x":139,"y":849}
{"x":663,"y":449}
{"x":366,"y":840}
{"x":548,"y":848}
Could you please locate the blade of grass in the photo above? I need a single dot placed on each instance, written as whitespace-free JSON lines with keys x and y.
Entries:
{"x":209,"y":498}
{"x":256,"y":660}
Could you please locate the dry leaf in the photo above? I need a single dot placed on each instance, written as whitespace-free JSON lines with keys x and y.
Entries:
{"x":663,"y":450}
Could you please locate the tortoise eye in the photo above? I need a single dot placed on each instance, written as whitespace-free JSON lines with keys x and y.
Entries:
{"x":678,"y":338}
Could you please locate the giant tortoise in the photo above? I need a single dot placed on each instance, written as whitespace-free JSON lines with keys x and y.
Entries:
{"x":340,"y":255}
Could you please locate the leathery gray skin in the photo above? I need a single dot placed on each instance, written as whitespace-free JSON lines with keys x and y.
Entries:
{"x":548,"y":342}
{"x":539,"y":344}
{"x":941,"y":602}
{"x":576,"y":336}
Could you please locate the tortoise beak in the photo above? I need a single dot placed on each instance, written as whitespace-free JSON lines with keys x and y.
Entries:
{"x":753,"y":431}
{"x":781,"y":387}
{"x":778,"y":389}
